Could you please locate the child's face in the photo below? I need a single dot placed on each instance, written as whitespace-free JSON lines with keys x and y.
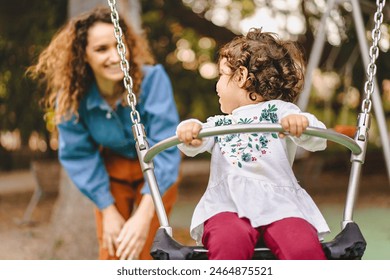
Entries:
{"x":228,"y":89}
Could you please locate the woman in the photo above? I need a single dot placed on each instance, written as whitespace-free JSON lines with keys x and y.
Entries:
{"x":84,"y":85}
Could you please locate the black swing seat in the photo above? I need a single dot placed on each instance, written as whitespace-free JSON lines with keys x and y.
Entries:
{"x":349,"y":244}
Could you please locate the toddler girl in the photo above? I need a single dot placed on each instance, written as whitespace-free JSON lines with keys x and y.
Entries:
{"x":252,"y":192}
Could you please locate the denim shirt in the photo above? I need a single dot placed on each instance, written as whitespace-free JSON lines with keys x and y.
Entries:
{"x":100,"y":125}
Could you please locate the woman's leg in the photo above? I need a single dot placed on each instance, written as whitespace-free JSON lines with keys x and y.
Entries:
{"x":126,"y":179}
{"x":228,"y":237}
{"x":124,"y":199}
{"x":293,"y":239}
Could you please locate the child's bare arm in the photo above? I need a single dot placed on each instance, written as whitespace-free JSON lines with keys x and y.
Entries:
{"x":294,"y":124}
{"x":188,"y":132}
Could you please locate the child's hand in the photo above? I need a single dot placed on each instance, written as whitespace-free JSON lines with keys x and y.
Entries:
{"x":188,"y":133}
{"x":294,"y":124}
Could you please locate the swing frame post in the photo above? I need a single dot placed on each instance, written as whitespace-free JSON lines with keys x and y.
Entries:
{"x":364,"y":118}
{"x":369,"y":60}
{"x":365,"y":53}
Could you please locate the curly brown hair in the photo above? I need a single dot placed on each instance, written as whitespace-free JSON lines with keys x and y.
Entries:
{"x":275,"y":67}
{"x":62,"y":67}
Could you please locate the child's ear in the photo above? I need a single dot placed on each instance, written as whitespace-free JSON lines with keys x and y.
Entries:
{"x":242,"y":76}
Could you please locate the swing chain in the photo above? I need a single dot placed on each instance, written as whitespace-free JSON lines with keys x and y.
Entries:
{"x":124,"y":64}
{"x":374,"y":53}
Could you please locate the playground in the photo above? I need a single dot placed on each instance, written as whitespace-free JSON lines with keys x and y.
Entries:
{"x":39,"y":240}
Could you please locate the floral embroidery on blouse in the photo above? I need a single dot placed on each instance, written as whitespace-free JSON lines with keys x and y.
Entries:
{"x":247,"y":147}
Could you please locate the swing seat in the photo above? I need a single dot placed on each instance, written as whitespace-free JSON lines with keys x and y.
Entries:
{"x":349,"y":244}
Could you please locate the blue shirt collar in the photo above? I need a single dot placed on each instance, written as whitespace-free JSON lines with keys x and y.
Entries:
{"x":94,"y":99}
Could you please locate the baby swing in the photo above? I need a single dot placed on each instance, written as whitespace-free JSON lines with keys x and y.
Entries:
{"x":348,"y":244}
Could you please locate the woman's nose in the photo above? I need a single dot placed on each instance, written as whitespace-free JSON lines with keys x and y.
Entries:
{"x":114,"y":55}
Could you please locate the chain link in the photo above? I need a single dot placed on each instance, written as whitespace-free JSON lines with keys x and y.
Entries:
{"x":124,"y":64}
{"x":374,"y":53}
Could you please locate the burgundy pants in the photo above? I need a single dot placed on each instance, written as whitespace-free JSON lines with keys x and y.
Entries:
{"x":228,"y":237}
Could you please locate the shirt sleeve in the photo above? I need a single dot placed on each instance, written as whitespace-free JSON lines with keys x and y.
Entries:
{"x":307,"y":142}
{"x":80,"y":157}
{"x":207,"y":142}
{"x":159,"y":115}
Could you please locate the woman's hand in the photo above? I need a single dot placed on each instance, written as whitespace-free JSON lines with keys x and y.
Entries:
{"x":135,"y":231}
{"x":112,"y":225}
{"x":294,"y":124}
{"x":188,"y":132}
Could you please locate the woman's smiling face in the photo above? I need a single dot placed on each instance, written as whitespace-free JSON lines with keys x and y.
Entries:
{"x":102,"y":55}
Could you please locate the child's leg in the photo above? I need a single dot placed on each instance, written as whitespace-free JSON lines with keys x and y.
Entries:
{"x":228,"y":237}
{"x":293,"y":239}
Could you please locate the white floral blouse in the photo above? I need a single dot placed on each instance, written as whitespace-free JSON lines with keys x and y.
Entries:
{"x":251,"y":173}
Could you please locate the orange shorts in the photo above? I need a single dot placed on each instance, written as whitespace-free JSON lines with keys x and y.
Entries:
{"x":126,"y":182}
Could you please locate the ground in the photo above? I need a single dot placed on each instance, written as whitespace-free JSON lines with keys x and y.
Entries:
{"x":37,"y":240}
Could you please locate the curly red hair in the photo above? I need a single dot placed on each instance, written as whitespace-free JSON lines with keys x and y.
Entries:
{"x":62,"y":67}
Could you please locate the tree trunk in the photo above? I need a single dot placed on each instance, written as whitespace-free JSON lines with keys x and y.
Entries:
{"x":73,"y":230}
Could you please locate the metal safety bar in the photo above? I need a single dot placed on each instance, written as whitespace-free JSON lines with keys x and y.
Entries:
{"x":328,"y":134}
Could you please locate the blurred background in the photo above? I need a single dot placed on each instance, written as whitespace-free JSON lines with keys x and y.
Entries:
{"x":185,"y":36}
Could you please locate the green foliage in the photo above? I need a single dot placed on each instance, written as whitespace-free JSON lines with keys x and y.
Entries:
{"x":26,"y":26}
{"x":195,"y":96}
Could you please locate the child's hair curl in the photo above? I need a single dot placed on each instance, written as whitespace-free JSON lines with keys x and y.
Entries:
{"x":275,"y":67}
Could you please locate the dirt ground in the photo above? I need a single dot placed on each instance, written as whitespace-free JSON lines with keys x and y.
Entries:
{"x":37,"y":240}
